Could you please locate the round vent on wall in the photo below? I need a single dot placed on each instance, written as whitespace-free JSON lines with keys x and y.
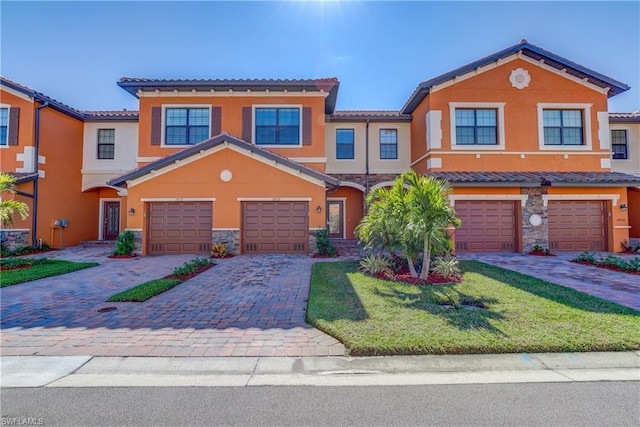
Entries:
{"x":520,"y":78}
{"x":535,"y":220}
{"x":226,"y":175}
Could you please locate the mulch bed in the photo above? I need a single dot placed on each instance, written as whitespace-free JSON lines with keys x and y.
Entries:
{"x":325,"y":256}
{"x":122,"y":256}
{"x":184,"y":277}
{"x":540,"y":253}
{"x":404,"y":276}
{"x":224,"y":256}
{"x":15,"y":267}
{"x":607,"y":267}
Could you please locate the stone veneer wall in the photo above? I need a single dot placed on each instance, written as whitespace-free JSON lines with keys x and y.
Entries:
{"x":137,"y":238}
{"x":230,"y":238}
{"x":362,"y":178}
{"x":312,"y":242}
{"x":14,"y":239}
{"x":531,"y":235}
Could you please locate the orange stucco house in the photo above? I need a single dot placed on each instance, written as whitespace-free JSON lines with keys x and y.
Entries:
{"x":523,"y":135}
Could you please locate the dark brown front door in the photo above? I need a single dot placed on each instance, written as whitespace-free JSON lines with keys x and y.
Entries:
{"x":487,"y":226}
{"x":275,"y":227}
{"x":335,"y":219}
{"x":577,"y":225}
{"x":111,"y":223}
{"x":179,"y":227}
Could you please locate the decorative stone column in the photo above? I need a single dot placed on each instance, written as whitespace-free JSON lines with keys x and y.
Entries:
{"x":137,"y":238}
{"x":229,"y":238}
{"x":14,"y":238}
{"x":312,"y":242}
{"x":533,"y":213}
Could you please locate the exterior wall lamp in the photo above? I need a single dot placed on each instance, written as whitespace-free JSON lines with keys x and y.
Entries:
{"x":319,"y":209}
{"x":132,"y":211}
{"x":623,"y":207}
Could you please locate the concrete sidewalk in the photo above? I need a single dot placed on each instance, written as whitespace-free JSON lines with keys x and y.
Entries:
{"x":86,"y":371}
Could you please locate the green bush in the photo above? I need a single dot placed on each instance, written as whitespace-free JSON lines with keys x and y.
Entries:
{"x":447,"y":266}
{"x":586,"y":257}
{"x":125,"y":244}
{"x":373,"y":264}
{"x":323,"y":244}
{"x":190,"y":267}
{"x":17,"y":262}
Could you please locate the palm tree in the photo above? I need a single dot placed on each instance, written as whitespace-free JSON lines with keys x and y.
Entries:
{"x":429,"y":214}
{"x":8,"y":207}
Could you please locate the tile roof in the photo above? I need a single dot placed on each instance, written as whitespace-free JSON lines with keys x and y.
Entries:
{"x":329,"y":85}
{"x":532,"y":51}
{"x":23,"y":176}
{"x":212,"y":142}
{"x":625,"y":117}
{"x":536,"y":178}
{"x":122,"y":115}
{"x":55,"y":104}
{"x":363,"y":115}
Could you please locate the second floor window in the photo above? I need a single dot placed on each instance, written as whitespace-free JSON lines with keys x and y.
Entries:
{"x":476,"y":127}
{"x":563,"y":127}
{"x":619,"y":145}
{"x":186,"y":126}
{"x":277,"y":126}
{"x":106,"y":144}
{"x":344,"y":143}
{"x":4,"y":125}
{"x":388,"y":143}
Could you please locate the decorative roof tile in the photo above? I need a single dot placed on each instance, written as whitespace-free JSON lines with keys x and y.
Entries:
{"x":122,"y":115}
{"x":55,"y":104}
{"x":537,"y":178}
{"x":375,"y":115}
{"x":625,"y":117}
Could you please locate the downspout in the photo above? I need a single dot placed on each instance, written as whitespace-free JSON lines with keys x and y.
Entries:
{"x":366,"y":167}
{"x":34,"y":212}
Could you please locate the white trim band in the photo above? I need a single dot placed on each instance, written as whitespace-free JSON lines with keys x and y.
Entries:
{"x":508,"y":197}
{"x":556,"y":197}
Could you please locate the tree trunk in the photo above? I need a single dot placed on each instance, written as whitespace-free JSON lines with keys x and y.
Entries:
{"x":412,"y":268}
{"x":426,"y":259}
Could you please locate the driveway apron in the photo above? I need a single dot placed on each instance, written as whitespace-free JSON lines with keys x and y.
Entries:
{"x":244,"y":306}
{"x":621,"y":288}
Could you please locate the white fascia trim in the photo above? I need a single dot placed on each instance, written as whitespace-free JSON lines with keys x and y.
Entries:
{"x":274,"y":199}
{"x":164,"y":116}
{"x":290,"y":106}
{"x":514,"y":197}
{"x":424,"y":156}
{"x":499,"y":106}
{"x":613,"y":197}
{"x":564,"y":74}
{"x":622,"y":226}
{"x":17,"y":94}
{"x":178,"y":199}
{"x":147,"y":159}
{"x":514,"y":153}
{"x":307,"y":159}
{"x":101,"y":215}
{"x":586,"y":109}
{"x":100,"y":184}
{"x":473,"y":73}
{"x":133,"y":229}
{"x":352,"y":185}
{"x":228,"y":93}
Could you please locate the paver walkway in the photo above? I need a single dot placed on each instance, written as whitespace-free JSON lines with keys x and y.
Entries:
{"x":244,"y":306}
{"x":618,"y":287}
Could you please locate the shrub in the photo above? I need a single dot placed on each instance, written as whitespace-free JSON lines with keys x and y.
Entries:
{"x":219,"y":250}
{"x":323,"y":244}
{"x":628,"y":247}
{"x":23,"y":250}
{"x":190,"y":267}
{"x":447,"y":266}
{"x":17,"y":262}
{"x":373,"y":264}
{"x":537,"y":248}
{"x":586,"y":257}
{"x":125,"y":244}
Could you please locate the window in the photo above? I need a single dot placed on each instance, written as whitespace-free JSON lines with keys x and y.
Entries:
{"x":277,"y":126}
{"x":476,"y":126}
{"x":186,"y":126}
{"x":344,"y":143}
{"x":388,"y":143}
{"x":4,"y":125}
{"x":106,"y":143}
{"x":563,"y":127}
{"x":619,"y":145}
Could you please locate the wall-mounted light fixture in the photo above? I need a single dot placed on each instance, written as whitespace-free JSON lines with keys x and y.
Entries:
{"x":319,"y":209}
{"x":623,"y":207}
{"x":132,"y":211}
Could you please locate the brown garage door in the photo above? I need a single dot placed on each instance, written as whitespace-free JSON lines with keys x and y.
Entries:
{"x":275,"y":227}
{"x":487,"y":226}
{"x":179,"y":227}
{"x":577,"y":225}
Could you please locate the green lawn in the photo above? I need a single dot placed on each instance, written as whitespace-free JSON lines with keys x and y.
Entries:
{"x":145,"y":291}
{"x":521,"y":314}
{"x":42,"y":268}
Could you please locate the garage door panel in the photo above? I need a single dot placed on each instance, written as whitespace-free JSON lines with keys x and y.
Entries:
{"x":179,"y":227}
{"x":276,"y":227}
{"x":487,"y":226}
{"x":577,"y":225}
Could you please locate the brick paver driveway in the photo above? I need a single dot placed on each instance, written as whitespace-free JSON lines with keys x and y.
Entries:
{"x":244,"y":306}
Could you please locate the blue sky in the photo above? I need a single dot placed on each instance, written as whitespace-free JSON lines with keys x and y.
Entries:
{"x":77,"y":51}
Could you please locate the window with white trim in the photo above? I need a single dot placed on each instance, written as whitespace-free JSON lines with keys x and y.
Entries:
{"x":277,"y":126}
{"x":106,"y":144}
{"x":186,"y":125}
{"x":389,"y":144}
{"x":476,"y":126}
{"x":563,"y":127}
{"x":619,"y":144}
{"x":344,"y":144}
{"x":4,"y":126}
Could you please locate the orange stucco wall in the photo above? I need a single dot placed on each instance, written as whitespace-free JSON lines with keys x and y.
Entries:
{"x":520,"y":121}
{"x":354,"y":207}
{"x":8,"y":162}
{"x":231,"y":116}
{"x":200,"y":179}
{"x":633,"y":197}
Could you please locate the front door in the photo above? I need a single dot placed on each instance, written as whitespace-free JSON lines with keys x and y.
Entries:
{"x":111,"y":222}
{"x":335,"y":219}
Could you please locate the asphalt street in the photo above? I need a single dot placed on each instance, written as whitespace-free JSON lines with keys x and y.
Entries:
{"x":541,"y":404}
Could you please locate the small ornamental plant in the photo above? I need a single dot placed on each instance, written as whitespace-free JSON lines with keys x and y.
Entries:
{"x":540,"y":251}
{"x":323,"y":244}
{"x":125,"y":245}
{"x":219,"y":250}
